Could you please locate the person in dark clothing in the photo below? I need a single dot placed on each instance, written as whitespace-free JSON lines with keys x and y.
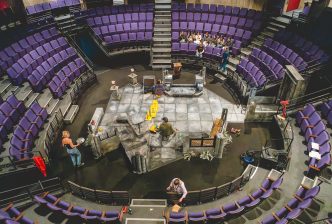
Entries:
{"x":200,"y":50}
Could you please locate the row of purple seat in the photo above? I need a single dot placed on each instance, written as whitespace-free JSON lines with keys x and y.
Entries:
{"x":249,"y":24}
{"x":218,"y":215}
{"x":42,"y":75}
{"x":128,"y":40}
{"x":19,"y":71}
{"x":116,"y":9}
{"x":27,"y":130}
{"x":251,"y":73}
{"x":62,"y":80}
{"x":302,"y":200}
{"x":47,"y":6}
{"x":326,"y":109}
{"x":11,"y":110}
{"x":219,"y":9}
{"x":11,"y":215}
{"x":126,"y":28}
{"x":308,"y":50}
{"x":238,"y":34}
{"x":76,"y":212}
{"x":284,"y":54}
{"x":214,"y":53}
{"x":267,"y":64}
{"x":314,"y":131}
{"x":17,"y":50}
{"x":120,"y":18}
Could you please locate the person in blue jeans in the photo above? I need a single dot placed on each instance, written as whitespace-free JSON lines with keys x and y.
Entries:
{"x":72,"y":150}
{"x":224,"y":59}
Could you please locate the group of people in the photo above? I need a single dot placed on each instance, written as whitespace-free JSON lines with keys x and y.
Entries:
{"x":207,"y":39}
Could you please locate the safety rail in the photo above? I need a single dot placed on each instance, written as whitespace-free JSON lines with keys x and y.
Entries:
{"x":213,"y":193}
{"x":100,"y":196}
{"x":314,"y":98}
{"x":24,"y":195}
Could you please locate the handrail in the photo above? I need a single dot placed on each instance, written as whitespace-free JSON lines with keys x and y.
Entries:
{"x":25,"y":194}
{"x":311,"y":97}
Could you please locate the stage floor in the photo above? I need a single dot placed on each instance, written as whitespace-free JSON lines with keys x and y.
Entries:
{"x":187,"y":114}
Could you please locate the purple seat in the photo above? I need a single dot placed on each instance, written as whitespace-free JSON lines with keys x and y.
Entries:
{"x":197,"y":17}
{"x":215,"y":29}
{"x":326,"y":107}
{"x":219,"y":19}
{"x":207,"y":27}
{"x":215,"y":215}
{"x":177,"y":217}
{"x":176,"y":26}
{"x":204,"y":17}
{"x":310,"y":122}
{"x":212,"y":18}
{"x":192,"y":48}
{"x":220,"y":9}
{"x":16,"y":104}
{"x":175,"y":47}
{"x":313,"y":131}
{"x":226,"y":20}
{"x":234,"y":21}
{"x":196,"y":217}
{"x":190,"y":17}
{"x":307,"y":111}
{"x":228,"y":10}
{"x":184,"y":48}
{"x":213,"y":8}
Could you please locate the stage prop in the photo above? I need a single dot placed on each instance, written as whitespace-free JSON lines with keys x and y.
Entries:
{"x":184,"y":90}
{"x":114,"y":91}
{"x":149,"y":81}
{"x":132,"y":78}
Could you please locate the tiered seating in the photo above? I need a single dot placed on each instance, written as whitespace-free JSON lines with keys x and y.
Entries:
{"x":284,"y":54}
{"x":19,"y":49}
{"x":73,"y":211}
{"x":26,"y":132}
{"x":62,"y":79}
{"x":123,"y":26}
{"x":47,"y":6}
{"x":231,"y":22}
{"x":302,"y":200}
{"x":217,"y":215}
{"x":10,"y":113}
{"x":36,"y":60}
{"x":326,"y":109}
{"x":308,"y":50}
{"x":251,"y":73}
{"x":11,"y":215}
{"x":314,"y":131}
{"x":267,"y":64}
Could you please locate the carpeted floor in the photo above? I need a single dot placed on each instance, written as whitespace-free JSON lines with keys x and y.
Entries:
{"x":113,"y":171}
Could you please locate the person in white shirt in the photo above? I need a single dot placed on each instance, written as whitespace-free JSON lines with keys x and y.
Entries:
{"x":178,"y":187}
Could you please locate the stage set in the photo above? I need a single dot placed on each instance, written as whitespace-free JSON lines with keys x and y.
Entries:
{"x":135,"y":112}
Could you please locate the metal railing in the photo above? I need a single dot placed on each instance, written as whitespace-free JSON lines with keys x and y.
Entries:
{"x":24,"y":195}
{"x":100,"y":196}
{"x":314,"y":97}
{"x":213,"y":193}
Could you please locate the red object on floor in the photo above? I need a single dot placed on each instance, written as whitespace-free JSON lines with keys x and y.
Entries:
{"x":40,"y":164}
{"x":292,"y":5}
{"x":284,"y":104}
{"x":3,"y":4}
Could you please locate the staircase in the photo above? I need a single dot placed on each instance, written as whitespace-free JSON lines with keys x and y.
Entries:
{"x":161,"y":48}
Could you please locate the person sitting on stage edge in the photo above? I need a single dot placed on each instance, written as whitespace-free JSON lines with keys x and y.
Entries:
{"x":159,"y":89}
{"x":178,"y":187}
{"x":72,"y":150}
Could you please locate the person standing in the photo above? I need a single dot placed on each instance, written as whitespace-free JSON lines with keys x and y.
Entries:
{"x":177,"y":186}
{"x":165,"y":129}
{"x":72,"y":150}
{"x":224,"y":59}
